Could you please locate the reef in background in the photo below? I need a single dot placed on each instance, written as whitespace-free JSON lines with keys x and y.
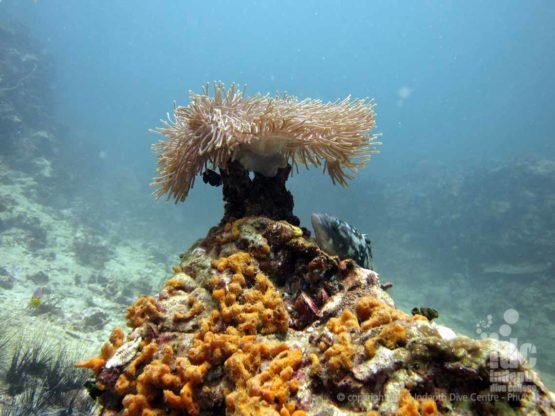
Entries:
{"x":258,"y":320}
{"x":26,"y":99}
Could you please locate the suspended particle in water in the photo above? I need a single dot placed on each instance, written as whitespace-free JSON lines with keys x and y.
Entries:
{"x":404,"y":92}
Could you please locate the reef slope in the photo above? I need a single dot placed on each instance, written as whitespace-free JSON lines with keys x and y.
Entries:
{"x":258,"y":320}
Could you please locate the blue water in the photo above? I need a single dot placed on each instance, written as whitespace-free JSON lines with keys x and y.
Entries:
{"x":459,"y":87}
{"x":479,"y":73}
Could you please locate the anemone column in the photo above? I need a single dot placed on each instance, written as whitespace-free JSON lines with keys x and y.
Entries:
{"x":261,"y":195}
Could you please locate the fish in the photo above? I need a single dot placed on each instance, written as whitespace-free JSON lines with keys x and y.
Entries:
{"x":211,"y":177}
{"x":429,"y":313}
{"x":339,"y":238}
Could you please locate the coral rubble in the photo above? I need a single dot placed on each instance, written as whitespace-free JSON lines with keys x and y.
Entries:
{"x":258,"y":320}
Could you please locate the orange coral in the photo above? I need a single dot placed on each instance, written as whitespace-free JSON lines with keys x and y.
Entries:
{"x":253,"y":306}
{"x":428,"y":408}
{"x":135,"y":405}
{"x":220,"y":264}
{"x":347,"y":321}
{"x":418,"y":317}
{"x":212,"y":347}
{"x":117,"y":337}
{"x":195,"y":308}
{"x":145,"y":308}
{"x":261,"y":250}
{"x":157,"y":379}
{"x":338,"y":358}
{"x":249,"y":304}
{"x":408,"y":405}
{"x":144,"y":357}
{"x":391,"y":336}
{"x":268,"y":389}
{"x":232,"y":231}
{"x":124,"y":385}
{"x":370,"y":348}
{"x":126,"y":382}
{"x":372,"y":312}
{"x":177,"y":282}
{"x":96,"y":363}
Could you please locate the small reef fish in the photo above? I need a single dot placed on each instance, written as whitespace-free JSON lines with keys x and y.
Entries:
{"x":341,"y":239}
{"x":38,"y":296}
{"x":429,"y":313}
{"x":211,"y":177}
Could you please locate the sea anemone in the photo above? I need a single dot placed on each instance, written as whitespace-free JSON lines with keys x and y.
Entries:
{"x":264,"y":134}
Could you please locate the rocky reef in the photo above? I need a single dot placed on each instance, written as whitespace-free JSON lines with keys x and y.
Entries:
{"x":256,"y":319}
{"x":494,"y":219}
{"x":483,"y":234}
{"x":26,"y":78}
